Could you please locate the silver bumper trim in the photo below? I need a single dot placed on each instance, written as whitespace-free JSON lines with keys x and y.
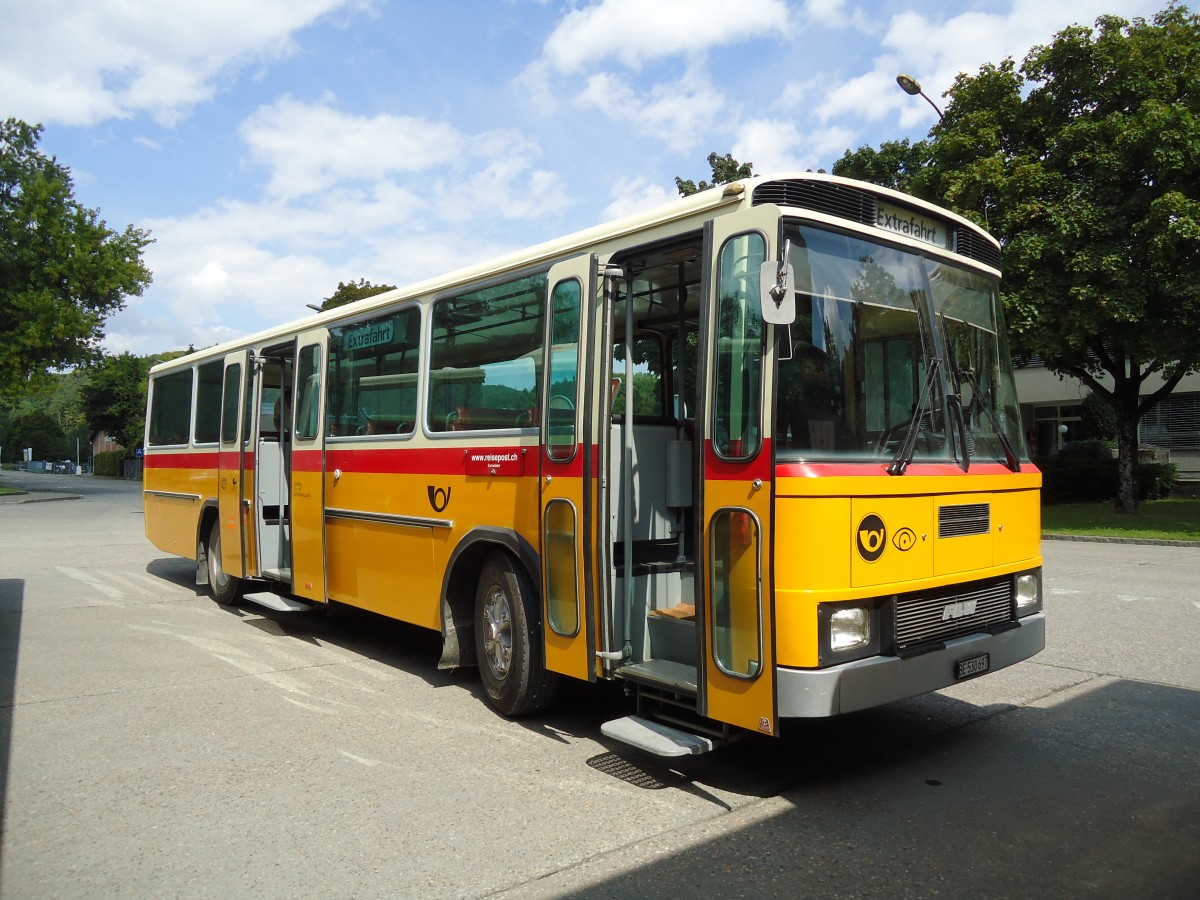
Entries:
{"x":810,"y":693}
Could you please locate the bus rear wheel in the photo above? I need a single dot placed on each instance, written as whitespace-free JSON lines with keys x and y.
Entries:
{"x":508,"y":640}
{"x":226,"y":589}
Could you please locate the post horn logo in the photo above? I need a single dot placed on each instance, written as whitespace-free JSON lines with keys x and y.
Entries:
{"x":439,"y":498}
{"x":872,"y":537}
{"x":904,"y":539}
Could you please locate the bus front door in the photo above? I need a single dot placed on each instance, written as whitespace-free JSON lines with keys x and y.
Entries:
{"x":307,"y":468}
{"x":567,"y":515}
{"x":738,"y":621}
{"x":235,"y":489}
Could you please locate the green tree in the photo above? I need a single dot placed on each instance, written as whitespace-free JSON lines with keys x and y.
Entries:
{"x":62,"y":270}
{"x":114,"y":398}
{"x":348,"y":292}
{"x":725,"y":169}
{"x":1085,"y":163}
{"x":36,"y":429}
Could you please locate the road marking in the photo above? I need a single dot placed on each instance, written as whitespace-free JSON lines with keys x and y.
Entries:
{"x":115,"y":596}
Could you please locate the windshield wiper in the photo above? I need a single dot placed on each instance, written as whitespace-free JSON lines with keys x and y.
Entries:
{"x":1010,"y":454}
{"x":908,"y":446}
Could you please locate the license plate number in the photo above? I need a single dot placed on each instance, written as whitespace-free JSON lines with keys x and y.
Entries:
{"x":967,"y":668}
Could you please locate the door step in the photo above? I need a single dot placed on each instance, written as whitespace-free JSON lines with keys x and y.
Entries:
{"x":662,"y":673}
{"x":656,"y":738}
{"x":278,"y":603}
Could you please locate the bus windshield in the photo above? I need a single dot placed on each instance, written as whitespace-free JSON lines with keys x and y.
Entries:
{"x":854,"y":379}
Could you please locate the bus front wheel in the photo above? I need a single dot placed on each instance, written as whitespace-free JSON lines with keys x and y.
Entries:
{"x":225,"y":588}
{"x":508,"y":640}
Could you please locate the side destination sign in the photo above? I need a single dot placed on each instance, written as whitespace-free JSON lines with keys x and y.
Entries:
{"x":373,"y":335}
{"x":912,"y":225}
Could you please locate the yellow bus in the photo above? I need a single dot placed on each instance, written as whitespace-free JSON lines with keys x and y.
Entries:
{"x":755,"y":453}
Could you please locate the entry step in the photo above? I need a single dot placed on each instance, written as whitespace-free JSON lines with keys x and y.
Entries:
{"x":655,"y":737}
{"x":278,"y":603}
{"x":664,"y":673}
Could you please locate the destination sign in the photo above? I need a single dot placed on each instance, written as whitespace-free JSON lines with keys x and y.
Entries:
{"x":912,"y":225}
{"x":374,"y":335}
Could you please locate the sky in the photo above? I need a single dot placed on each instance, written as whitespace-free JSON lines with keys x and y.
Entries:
{"x":274,"y":148}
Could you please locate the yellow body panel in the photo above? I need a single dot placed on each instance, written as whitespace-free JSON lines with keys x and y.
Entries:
{"x":395,"y":569}
{"x":741,"y":701}
{"x":172,"y":522}
{"x":308,"y":547}
{"x":817,"y":557}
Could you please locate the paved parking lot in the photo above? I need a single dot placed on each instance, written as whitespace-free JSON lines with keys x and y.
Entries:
{"x":155,"y":744}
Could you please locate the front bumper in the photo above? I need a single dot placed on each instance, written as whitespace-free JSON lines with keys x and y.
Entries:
{"x":813,"y":693}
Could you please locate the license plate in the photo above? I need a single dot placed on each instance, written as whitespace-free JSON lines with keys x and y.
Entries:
{"x":967,"y":668}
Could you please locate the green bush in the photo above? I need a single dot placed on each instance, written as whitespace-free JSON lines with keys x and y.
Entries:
{"x":1084,"y":476}
{"x":108,"y":462}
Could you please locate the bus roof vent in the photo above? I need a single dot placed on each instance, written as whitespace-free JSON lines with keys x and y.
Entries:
{"x":832,"y":199}
{"x":969,"y":244}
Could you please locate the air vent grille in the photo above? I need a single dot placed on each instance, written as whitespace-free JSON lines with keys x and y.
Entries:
{"x":832,"y":199}
{"x":970,"y":518}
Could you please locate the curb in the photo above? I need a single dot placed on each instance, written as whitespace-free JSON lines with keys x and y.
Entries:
{"x":1096,"y":539}
{"x":25,"y":498}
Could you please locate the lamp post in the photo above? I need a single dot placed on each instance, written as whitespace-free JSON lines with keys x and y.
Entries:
{"x":912,"y":87}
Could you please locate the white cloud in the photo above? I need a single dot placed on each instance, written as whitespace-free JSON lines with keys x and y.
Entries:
{"x":779,"y":146}
{"x":344,"y":197}
{"x":678,"y":113}
{"x":72,"y":63}
{"x":935,"y":50}
{"x":309,"y":147}
{"x":639,"y":194}
{"x":638,"y":31}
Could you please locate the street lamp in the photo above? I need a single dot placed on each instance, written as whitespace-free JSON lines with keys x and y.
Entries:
{"x":912,"y":87}
{"x":313,"y":306}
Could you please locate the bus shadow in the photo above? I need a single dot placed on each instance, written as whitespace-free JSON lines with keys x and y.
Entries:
{"x":1093,"y":796}
{"x":177,"y":571}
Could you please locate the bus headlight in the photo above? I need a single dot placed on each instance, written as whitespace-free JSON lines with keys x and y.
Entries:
{"x":849,"y":628}
{"x":1029,"y":593}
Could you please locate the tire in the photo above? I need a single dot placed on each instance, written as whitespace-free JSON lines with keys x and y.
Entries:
{"x":225,"y":588}
{"x":508,"y":640}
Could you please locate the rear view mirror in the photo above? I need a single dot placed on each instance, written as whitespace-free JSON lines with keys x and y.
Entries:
{"x":777,"y":293}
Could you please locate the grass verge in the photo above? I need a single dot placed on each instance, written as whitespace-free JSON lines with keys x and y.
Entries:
{"x":1173,"y":520}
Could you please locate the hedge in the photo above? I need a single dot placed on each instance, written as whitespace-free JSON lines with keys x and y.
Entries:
{"x":1087,"y":473}
{"x":108,"y":462}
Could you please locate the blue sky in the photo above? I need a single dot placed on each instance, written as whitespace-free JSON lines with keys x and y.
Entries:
{"x":277,"y":147}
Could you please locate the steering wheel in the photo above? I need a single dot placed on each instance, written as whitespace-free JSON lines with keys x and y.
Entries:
{"x":895,"y":433}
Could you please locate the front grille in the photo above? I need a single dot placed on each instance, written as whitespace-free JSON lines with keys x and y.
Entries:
{"x":952,"y":612}
{"x":970,"y":518}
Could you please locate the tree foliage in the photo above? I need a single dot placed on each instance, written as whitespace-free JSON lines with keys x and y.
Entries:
{"x":114,"y":398}
{"x":1085,"y":163}
{"x":348,"y":292}
{"x":62,"y":270}
{"x":725,"y":169}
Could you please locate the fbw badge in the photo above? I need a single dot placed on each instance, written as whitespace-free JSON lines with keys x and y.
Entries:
{"x":871,"y":537}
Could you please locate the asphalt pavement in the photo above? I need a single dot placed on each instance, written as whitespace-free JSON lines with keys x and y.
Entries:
{"x":154,"y":744}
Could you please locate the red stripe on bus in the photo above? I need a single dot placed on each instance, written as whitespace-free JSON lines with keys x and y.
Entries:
{"x":717,"y":469}
{"x":879,"y":469}
{"x":424,"y":460}
{"x":206,"y":459}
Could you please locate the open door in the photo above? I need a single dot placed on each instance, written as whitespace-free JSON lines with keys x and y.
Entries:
{"x":738,"y":614}
{"x":235,"y":488}
{"x":567,"y":516}
{"x":307,"y":467}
